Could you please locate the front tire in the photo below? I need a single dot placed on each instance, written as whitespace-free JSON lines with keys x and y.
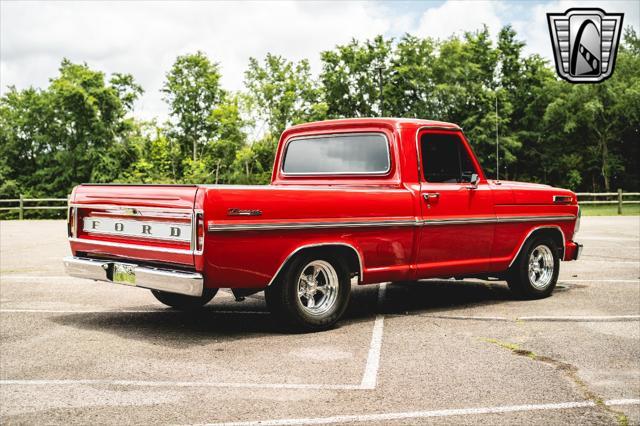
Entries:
{"x":311,"y":294}
{"x":534,"y":274}
{"x":183,"y":302}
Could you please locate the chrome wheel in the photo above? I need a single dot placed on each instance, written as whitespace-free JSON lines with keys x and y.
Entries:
{"x":318,"y":286}
{"x":541,"y":265}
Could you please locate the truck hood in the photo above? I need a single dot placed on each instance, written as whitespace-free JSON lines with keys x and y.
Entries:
{"x":533,"y":193}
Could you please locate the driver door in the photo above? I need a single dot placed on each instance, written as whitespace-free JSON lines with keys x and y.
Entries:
{"x":457,"y":208}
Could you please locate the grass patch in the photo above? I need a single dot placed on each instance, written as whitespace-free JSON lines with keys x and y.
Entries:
{"x":609,"y":209}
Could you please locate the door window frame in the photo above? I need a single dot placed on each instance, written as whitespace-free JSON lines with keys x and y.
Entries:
{"x":465,"y":145}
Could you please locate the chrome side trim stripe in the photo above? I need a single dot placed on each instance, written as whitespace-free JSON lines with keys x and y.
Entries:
{"x":213,"y":227}
{"x":506,"y":219}
{"x":258,"y":226}
{"x":130,"y":246}
{"x":458,"y":221}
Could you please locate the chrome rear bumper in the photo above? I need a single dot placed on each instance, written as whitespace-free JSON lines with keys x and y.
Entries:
{"x":188,"y":283}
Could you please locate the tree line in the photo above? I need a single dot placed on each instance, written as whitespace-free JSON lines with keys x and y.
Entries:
{"x":81,"y":127}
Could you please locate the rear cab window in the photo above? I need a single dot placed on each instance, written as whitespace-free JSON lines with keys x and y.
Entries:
{"x":337,"y":154}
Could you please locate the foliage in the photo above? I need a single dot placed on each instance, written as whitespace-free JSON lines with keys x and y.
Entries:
{"x":80,"y":128}
{"x":75,"y":131}
{"x":192,"y":90}
{"x":283,"y":93}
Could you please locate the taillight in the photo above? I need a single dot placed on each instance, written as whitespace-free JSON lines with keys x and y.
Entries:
{"x":71,"y":222}
{"x":199,"y":231}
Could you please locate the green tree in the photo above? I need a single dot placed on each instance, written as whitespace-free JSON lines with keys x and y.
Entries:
{"x":227,"y":138}
{"x":74,"y":131}
{"x":283,"y":93}
{"x":351,"y":75}
{"x":192,"y":90}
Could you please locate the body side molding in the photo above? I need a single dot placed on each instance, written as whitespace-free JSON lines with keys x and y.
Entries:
{"x":262,"y":226}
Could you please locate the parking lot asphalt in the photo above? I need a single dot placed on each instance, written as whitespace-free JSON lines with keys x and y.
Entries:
{"x":436,"y":351}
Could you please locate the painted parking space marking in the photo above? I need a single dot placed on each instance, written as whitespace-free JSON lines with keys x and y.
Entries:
{"x":380,"y":417}
{"x":179,"y":384}
{"x":582,"y":318}
{"x":540,"y":318}
{"x":467,"y":317}
{"x":597,"y":280}
{"x":368,"y":382}
{"x":120,"y":311}
{"x":609,"y":238}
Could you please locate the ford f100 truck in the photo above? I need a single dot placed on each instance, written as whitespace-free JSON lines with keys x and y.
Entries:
{"x":371,"y":199}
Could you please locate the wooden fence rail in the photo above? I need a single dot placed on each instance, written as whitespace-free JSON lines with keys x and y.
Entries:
{"x":21,"y":207}
{"x":619,"y":198}
{"x":22,"y":203}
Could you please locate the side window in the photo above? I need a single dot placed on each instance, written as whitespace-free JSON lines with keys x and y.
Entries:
{"x":444,"y":159}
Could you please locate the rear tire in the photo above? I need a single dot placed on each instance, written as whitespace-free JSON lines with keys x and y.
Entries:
{"x":534,"y":274}
{"x":311,"y":294}
{"x":183,"y":302}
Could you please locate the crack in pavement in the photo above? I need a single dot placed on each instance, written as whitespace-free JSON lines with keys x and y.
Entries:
{"x":570,"y":371}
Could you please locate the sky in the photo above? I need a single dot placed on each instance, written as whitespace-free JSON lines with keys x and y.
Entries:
{"x":144,"y":38}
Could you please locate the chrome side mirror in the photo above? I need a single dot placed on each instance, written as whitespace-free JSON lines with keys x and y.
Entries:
{"x":474,"y":181}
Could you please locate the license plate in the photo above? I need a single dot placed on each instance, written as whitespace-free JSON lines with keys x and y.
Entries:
{"x":124,"y":274}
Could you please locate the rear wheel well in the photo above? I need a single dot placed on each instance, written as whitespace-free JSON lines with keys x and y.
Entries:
{"x":346,"y":253}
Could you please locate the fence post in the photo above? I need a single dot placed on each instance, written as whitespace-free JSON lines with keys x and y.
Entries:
{"x":21,"y":213}
{"x":619,"y":200}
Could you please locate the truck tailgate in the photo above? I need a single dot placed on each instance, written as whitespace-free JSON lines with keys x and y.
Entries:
{"x":151,"y":223}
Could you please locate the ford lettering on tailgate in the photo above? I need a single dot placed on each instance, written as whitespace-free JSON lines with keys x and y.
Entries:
{"x":138,"y":228}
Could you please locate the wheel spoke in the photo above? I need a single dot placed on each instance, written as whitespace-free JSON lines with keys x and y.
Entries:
{"x":316,"y":271}
{"x":311,"y":302}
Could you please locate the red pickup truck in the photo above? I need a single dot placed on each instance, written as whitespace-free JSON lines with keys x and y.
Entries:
{"x":370,"y":199}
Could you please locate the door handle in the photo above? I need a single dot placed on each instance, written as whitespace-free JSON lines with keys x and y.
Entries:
{"x":428,"y":196}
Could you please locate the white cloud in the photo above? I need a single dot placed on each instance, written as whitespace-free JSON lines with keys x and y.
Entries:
{"x":144,"y":38}
{"x":458,"y":17}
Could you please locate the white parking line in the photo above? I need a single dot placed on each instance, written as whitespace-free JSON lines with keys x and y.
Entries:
{"x":467,"y":317}
{"x":379,"y":417}
{"x":582,"y":318}
{"x":122,"y":311}
{"x":39,"y":277}
{"x":597,"y":280}
{"x":566,"y":318}
{"x":166,"y":383}
{"x":370,"y":376}
{"x":608,"y":238}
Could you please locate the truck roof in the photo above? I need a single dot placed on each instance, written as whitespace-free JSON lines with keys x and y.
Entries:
{"x":388,"y":121}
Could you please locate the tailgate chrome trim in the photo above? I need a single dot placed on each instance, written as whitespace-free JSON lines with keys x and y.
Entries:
{"x":172,"y":281}
{"x":130,"y":246}
{"x":137,"y":208}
